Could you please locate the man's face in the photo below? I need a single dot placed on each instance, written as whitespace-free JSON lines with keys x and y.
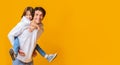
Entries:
{"x":38,"y":16}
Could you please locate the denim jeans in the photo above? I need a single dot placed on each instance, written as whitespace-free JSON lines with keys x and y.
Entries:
{"x":18,"y":62}
{"x":40,"y":50}
{"x":16,"y":47}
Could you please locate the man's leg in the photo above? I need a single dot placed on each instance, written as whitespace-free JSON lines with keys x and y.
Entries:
{"x":49,"y":57}
{"x":30,"y":63}
{"x":18,"y":62}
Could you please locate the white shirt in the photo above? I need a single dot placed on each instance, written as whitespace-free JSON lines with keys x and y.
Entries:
{"x":27,"y":40}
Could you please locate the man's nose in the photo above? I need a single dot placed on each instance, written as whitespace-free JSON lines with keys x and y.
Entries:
{"x":38,"y":17}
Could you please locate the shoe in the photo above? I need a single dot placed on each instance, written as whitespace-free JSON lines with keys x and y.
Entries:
{"x":51,"y":57}
{"x":12,"y":54}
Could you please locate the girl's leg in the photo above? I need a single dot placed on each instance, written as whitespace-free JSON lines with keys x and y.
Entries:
{"x":16,"y":46}
{"x":13,"y":52}
{"x":49,"y":57}
{"x":40,"y":50}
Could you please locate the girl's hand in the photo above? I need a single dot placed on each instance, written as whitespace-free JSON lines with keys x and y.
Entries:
{"x":21,"y":52}
{"x":38,"y":27}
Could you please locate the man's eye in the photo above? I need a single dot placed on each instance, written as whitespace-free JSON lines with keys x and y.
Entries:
{"x":36,"y":14}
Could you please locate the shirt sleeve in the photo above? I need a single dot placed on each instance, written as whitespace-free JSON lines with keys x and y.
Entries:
{"x":18,"y":29}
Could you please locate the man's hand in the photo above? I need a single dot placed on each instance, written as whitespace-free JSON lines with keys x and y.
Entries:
{"x":34,"y":53}
{"x":21,"y":53}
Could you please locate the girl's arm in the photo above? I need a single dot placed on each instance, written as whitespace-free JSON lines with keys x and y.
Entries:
{"x":17,"y":30}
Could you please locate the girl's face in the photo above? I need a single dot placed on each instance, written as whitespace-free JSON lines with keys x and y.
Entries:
{"x":28,"y":15}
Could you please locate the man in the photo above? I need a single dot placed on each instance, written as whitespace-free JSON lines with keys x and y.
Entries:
{"x":28,"y":39}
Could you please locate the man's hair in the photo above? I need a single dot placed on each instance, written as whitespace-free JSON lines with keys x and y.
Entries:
{"x":40,"y":9}
{"x":28,"y":9}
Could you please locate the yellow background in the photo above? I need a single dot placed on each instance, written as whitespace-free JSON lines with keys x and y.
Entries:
{"x":82,"y":32}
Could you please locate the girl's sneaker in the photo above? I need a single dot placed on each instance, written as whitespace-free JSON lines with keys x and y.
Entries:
{"x":51,"y":57}
{"x":12,"y":54}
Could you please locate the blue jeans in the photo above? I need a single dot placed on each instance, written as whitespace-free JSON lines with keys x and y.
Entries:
{"x":16,"y":47}
{"x":18,"y":62}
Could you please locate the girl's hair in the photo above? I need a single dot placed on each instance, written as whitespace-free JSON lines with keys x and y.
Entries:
{"x":28,"y":9}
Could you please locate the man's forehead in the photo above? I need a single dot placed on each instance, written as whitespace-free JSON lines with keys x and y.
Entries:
{"x":38,"y":12}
